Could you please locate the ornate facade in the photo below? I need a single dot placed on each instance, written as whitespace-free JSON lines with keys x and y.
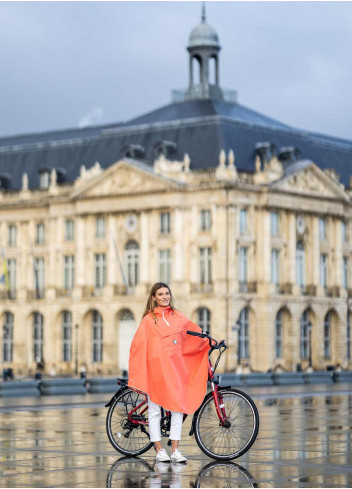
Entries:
{"x":243,"y":216}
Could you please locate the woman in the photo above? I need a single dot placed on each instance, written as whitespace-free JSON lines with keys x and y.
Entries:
{"x":169,"y":365}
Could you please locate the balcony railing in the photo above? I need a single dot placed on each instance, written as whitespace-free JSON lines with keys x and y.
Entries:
{"x":121,"y":290}
{"x":8,"y":295}
{"x":229,"y":95}
{"x":197,"y":288}
{"x":35,"y":294}
{"x":63,"y":292}
{"x":332,"y":291}
{"x":309,"y":290}
{"x":286,"y":288}
{"x":250,"y":287}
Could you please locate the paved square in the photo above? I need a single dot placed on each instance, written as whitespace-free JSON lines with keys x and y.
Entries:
{"x":304,"y":441}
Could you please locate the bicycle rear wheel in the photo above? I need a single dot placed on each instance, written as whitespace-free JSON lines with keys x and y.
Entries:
{"x":125,"y":437}
{"x":231,"y":441}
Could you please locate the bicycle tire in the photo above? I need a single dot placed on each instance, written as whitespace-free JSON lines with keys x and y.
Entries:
{"x":119,"y":435}
{"x":244,"y":422}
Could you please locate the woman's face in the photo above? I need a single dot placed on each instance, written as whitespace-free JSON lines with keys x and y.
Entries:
{"x":162,"y":297}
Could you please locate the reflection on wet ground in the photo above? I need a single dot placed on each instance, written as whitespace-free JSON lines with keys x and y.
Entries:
{"x":304,"y":441}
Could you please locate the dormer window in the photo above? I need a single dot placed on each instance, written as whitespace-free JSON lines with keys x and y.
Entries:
{"x":164,"y":148}
{"x":289,"y":154}
{"x":5,"y":180}
{"x":44,"y":178}
{"x":265,"y":151}
{"x":133,"y":151}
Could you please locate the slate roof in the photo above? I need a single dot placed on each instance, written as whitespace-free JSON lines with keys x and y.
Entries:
{"x":200,"y":128}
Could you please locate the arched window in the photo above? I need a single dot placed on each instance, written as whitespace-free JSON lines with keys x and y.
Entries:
{"x":127,"y":329}
{"x":132,"y":262}
{"x":66,"y":336}
{"x":305,"y":325}
{"x":203,"y":320}
{"x":300,"y":264}
{"x":278,"y":334}
{"x":38,"y":336}
{"x":243,"y":336}
{"x":349,"y":335}
{"x":7,"y":337}
{"x":97,"y":335}
{"x":327,"y":332}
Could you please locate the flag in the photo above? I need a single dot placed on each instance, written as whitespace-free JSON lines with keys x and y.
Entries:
{"x":118,"y":257}
{"x":5,"y":279}
{"x":35,"y":270}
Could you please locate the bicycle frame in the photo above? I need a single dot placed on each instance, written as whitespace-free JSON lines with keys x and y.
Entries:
{"x":220,"y":408}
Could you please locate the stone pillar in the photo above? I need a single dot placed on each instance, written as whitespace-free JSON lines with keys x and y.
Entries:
{"x":178,"y":261}
{"x":315,"y":251}
{"x":111,"y":258}
{"x":336,"y":271}
{"x":80,"y":233}
{"x":291,"y":248}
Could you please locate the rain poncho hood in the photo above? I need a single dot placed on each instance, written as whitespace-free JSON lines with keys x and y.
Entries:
{"x":167,"y":363}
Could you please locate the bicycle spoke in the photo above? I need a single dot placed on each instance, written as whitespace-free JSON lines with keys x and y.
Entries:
{"x":221,"y":440}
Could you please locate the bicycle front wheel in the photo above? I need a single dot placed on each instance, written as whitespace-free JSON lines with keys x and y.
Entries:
{"x":237,"y":436}
{"x":125,"y":437}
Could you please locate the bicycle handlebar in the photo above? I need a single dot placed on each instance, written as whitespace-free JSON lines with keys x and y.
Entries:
{"x":205,"y":335}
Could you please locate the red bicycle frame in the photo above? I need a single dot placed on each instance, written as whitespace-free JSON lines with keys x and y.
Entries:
{"x":218,"y":400}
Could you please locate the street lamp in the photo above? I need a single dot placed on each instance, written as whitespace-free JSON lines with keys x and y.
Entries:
{"x":310,"y":344}
{"x":76,"y":349}
{"x":238,"y":328}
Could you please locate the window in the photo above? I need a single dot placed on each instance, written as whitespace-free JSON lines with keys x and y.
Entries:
{"x":345,"y":272}
{"x":300,"y":264}
{"x":97,"y":334}
{"x":100,"y":270}
{"x":327,"y":335}
{"x":44,"y":179}
{"x":39,"y":277}
{"x":11,"y":268}
{"x":69,"y":272}
{"x":205,"y":220}
{"x":38,"y":336}
{"x":243,"y":334}
{"x":69,"y":230}
{"x":7,"y":338}
{"x":40,"y":234}
{"x":205,"y":265}
{"x":66,"y":336}
{"x":100,"y":227}
{"x":243,"y":265}
{"x":274,"y":221}
{"x":243,"y":221}
{"x":323,"y":270}
{"x":203,"y":319}
{"x":275,"y":267}
{"x":305,"y":326}
{"x":278,"y":335}
{"x":12,"y":235}
{"x":132,"y":263}
{"x":322,"y":229}
{"x":165,"y":226}
{"x":348,"y":335}
{"x":344,"y":236}
{"x":165,"y":266}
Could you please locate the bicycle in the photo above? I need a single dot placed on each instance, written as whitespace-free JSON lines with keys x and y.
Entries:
{"x":225,"y":425}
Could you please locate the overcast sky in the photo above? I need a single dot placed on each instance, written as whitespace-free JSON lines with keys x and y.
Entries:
{"x":77,"y":63}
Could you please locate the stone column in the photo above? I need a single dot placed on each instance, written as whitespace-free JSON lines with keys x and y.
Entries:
{"x":111,"y":253}
{"x":291,"y":248}
{"x":178,"y":262}
{"x":315,"y":251}
{"x":80,"y":233}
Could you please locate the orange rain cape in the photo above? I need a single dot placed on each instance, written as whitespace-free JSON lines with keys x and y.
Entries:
{"x":167,"y":363}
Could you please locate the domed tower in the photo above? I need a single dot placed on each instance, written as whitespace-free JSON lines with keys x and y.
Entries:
{"x":203,"y":47}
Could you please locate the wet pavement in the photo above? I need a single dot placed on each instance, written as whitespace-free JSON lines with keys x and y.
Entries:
{"x":304,"y":441}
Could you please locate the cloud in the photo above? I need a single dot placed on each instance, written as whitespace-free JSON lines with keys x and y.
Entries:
{"x":92,"y":117}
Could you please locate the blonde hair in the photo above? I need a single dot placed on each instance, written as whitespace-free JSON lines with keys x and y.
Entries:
{"x":151,"y":304}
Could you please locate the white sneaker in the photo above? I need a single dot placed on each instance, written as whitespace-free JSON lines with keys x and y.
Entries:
{"x":162,"y":456}
{"x":176,"y":456}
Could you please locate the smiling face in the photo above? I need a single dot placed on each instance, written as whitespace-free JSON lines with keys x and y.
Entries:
{"x":162,"y":297}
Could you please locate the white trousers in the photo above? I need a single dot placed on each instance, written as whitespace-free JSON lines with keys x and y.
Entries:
{"x":154,"y":417}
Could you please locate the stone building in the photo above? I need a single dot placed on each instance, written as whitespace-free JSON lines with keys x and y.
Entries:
{"x":247,"y":219}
